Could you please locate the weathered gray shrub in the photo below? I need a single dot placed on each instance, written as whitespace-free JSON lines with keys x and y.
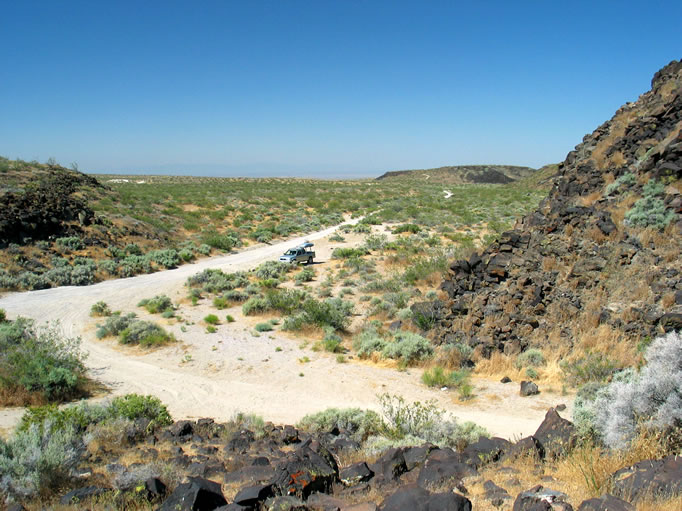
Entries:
{"x":360,"y":424}
{"x":408,"y":347}
{"x":651,"y":399}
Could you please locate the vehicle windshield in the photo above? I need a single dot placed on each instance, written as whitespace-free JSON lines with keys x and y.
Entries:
{"x":291,"y":251}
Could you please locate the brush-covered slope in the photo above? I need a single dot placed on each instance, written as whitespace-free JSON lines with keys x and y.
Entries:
{"x":596,"y":269}
{"x":464,"y":174}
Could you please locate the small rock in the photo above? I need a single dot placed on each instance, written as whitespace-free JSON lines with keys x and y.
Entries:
{"x":506,"y":379}
{"x":529,"y":388}
{"x":606,"y":503}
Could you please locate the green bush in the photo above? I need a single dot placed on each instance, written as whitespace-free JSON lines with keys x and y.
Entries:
{"x":157,"y":305}
{"x":100,"y":309}
{"x":220,"y":302}
{"x":439,"y":377}
{"x":649,"y":212}
{"x":215,"y":281}
{"x":368,"y":341}
{"x":348,"y":252}
{"x":360,"y":424}
{"x":115,"y":324}
{"x":530,"y":358}
{"x":168,"y":258}
{"x":212,"y":319}
{"x":332,"y":342}
{"x":146,"y":334}
{"x":592,"y":367}
{"x":229,"y":319}
{"x":70,"y":243}
{"x":40,"y":360}
{"x":411,"y":228}
{"x":427,"y":422}
{"x":626,"y":180}
{"x":337,"y":238}
{"x":264,"y":327}
{"x":48,"y":443}
{"x":3,"y":316}
{"x":408,"y":347}
{"x":305,"y":275}
{"x":133,"y":249}
{"x":254,"y":305}
{"x":273,"y":270}
{"x":224,"y":242}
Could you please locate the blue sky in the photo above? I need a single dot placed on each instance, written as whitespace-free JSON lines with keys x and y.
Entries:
{"x":319,"y":88}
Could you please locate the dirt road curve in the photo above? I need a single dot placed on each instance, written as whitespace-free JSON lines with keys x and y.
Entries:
{"x":216,"y":375}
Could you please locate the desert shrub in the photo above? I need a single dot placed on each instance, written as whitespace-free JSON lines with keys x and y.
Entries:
{"x":40,"y":360}
{"x":107,"y":266}
{"x":100,"y":309}
{"x":591,"y":367}
{"x":115,"y":324}
{"x":305,"y":275}
{"x":626,"y":180}
{"x":422,"y":267}
{"x":411,"y":228}
{"x":60,"y":276}
{"x":254,"y":305}
{"x":225,"y":242}
{"x":348,"y":252}
{"x":157,"y":305}
{"x":215,"y":281}
{"x":211,"y":319}
{"x":651,"y":399}
{"x":333,"y":312}
{"x":398,"y":298}
{"x":220,"y":302}
{"x":332,"y":342}
{"x":145,"y":333}
{"x":82,"y":275}
{"x":360,"y":424}
{"x":133,"y":249}
{"x":35,"y":461}
{"x":59,"y":262}
{"x":3,"y":316}
{"x":263,"y":327}
{"x":368,"y":341}
{"x":427,"y":422}
{"x":285,"y":301}
{"x":273,"y":270}
{"x":530,"y":358}
{"x":70,"y":243}
{"x":204,"y":249}
{"x":409,"y":347}
{"x":237,"y":296}
{"x":439,"y":377}
{"x":229,"y":319}
{"x":361,"y":228}
{"x":375,"y":241}
{"x":186,"y":254}
{"x":337,"y":238}
{"x":168,"y":258}
{"x":649,"y":212}
{"x":48,"y":443}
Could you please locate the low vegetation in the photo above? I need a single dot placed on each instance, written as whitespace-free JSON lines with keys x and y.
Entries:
{"x":131,"y":330}
{"x":39,"y":364}
{"x":39,"y":457}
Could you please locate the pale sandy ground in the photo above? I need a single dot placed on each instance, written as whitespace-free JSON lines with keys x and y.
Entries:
{"x":234,"y":370}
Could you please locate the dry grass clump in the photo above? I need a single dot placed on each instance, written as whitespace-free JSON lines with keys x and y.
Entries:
{"x":584,"y":473}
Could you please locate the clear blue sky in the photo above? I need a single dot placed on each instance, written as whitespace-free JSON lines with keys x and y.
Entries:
{"x":323,"y":88}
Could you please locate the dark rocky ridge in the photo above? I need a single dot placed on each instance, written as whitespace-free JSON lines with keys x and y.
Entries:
{"x":574,"y":265}
{"x":460,"y":174}
{"x":204,"y":465}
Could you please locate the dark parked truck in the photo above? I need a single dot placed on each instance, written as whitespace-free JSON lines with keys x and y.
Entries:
{"x":299,"y":254}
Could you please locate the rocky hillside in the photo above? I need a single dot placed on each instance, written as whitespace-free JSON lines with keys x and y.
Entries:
{"x":463,"y":174}
{"x":596,"y":269}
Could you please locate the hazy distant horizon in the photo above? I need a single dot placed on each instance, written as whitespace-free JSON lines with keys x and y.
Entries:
{"x":261,"y":171}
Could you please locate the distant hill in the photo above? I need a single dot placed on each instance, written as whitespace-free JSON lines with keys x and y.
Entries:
{"x":465,"y":174}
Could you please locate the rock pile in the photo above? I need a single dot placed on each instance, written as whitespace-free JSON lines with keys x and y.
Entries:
{"x":282,"y":468}
{"x":579,"y":261}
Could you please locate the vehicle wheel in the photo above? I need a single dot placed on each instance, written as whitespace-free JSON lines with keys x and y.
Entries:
{"x":310,"y":260}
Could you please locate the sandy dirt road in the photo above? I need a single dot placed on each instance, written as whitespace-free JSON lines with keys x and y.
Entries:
{"x":217,"y":375}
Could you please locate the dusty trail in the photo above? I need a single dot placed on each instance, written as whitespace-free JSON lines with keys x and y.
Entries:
{"x":216,"y":375}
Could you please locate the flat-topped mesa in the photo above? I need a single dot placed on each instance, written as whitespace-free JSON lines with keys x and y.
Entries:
{"x":601,"y":251}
